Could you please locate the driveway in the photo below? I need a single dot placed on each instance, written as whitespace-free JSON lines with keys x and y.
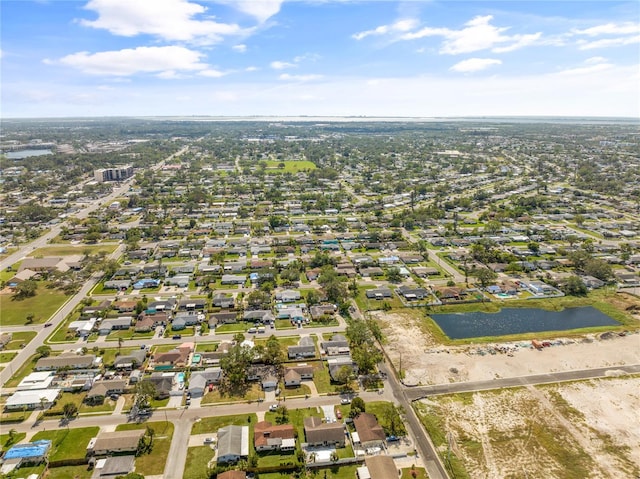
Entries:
{"x":329,"y":413}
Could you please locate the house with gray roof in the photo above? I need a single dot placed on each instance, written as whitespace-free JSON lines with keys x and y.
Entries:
{"x":305,"y":348}
{"x":233,"y":443}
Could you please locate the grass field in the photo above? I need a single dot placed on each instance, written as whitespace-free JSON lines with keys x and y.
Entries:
{"x":214,"y":396}
{"x":72,"y":250}
{"x":153,"y":463}
{"x":68,"y":443}
{"x":197,"y":462}
{"x":212,"y":424}
{"x":287,"y":166}
{"x":69,"y":472}
{"x":19,"y":338}
{"x":42,"y":305}
{"x":6,"y":443}
{"x":344,"y":472}
{"x":6,"y":357}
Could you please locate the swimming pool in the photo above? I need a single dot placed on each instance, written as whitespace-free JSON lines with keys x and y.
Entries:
{"x":180,"y":377}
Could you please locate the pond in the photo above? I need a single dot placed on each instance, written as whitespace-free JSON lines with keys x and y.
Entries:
{"x":519,"y":320}
{"x":19,"y":155}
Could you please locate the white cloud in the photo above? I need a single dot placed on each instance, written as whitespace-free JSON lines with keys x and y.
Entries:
{"x":594,"y":64}
{"x":288,"y":77}
{"x":608,"y":42}
{"x":278,"y":65}
{"x":240,"y":48}
{"x":251,"y":69}
{"x":403,"y":25}
{"x":166,"y":61}
{"x":261,"y":10}
{"x":211,"y":73}
{"x":625,"y":28}
{"x":477,"y":34}
{"x":167,"y":19}
{"x":475,"y":64}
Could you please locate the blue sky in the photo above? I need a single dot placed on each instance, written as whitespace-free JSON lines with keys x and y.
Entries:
{"x":319,"y":57}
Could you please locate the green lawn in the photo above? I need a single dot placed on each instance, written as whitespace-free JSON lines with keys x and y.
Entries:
{"x":214,"y":396}
{"x":42,"y":305}
{"x":6,"y":443}
{"x":6,"y":357}
{"x":287,"y":166}
{"x":129,"y":334}
{"x":69,"y":472}
{"x":19,"y":338}
{"x":71,"y":250}
{"x":153,"y":463}
{"x":212,"y":424}
{"x":322,"y":379}
{"x":293,"y":392}
{"x":197,"y":462}
{"x":233,"y":328}
{"x":110,"y":354}
{"x":206,"y":347}
{"x":68,"y":443}
{"x":169,"y":332}
{"x":381,"y":411}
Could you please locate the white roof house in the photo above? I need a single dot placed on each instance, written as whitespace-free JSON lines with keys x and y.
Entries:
{"x":32,"y":398}
{"x":36,"y":380}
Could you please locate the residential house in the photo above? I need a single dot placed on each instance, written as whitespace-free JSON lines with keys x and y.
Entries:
{"x":269,"y":437}
{"x":370,"y":433}
{"x":288,"y":296}
{"x":102,"y":389}
{"x":107,"y":443}
{"x":233,"y":443}
{"x":223,"y":317}
{"x":379,"y":293}
{"x":132,"y":360}
{"x":306,"y":348}
{"x":32,"y":399}
{"x":337,"y":345}
{"x":293,"y":375}
{"x":318,"y":433}
{"x":67,"y":361}
{"x":320,"y":310}
{"x":177,"y":357}
{"x":378,"y":467}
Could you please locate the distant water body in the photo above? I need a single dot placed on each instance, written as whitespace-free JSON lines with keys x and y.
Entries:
{"x":519,"y":320}
{"x":20,"y":155}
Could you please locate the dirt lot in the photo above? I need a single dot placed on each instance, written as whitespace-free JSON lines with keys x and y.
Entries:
{"x":575,"y":430}
{"x":425,"y":362}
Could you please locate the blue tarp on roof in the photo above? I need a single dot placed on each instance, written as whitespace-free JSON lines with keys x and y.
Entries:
{"x":25,"y":451}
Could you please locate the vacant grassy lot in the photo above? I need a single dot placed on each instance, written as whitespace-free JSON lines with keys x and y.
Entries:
{"x":68,"y":443}
{"x":71,"y":250}
{"x":153,"y":463}
{"x":287,"y":166}
{"x":6,"y":357}
{"x":19,"y":338}
{"x":212,"y":424}
{"x":42,"y":306}
{"x":344,"y":472}
{"x":254,"y":392}
{"x":197,"y":462}
{"x":420,"y":473}
{"x":69,"y":472}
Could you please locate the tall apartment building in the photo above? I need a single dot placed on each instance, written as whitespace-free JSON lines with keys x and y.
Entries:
{"x":113,"y":174}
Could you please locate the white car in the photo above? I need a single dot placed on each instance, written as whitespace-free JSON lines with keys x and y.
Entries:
{"x":208,"y":440}
{"x":273,"y":407}
{"x":345,"y":401}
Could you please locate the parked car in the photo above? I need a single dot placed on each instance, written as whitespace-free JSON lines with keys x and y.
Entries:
{"x":273,"y":407}
{"x":345,"y":401}
{"x":177,"y":336}
{"x":208,"y":440}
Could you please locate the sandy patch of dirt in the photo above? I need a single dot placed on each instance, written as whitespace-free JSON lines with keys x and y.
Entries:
{"x":425,"y":362}
{"x":577,"y":430}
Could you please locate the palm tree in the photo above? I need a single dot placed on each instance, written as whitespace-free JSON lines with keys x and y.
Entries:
{"x":120,"y":341}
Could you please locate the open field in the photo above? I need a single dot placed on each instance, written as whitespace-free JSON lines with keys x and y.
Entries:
{"x":42,"y":306}
{"x":153,"y":463}
{"x":287,"y":166}
{"x":565,"y":431}
{"x":71,"y":250}
{"x":426,"y":360}
{"x":19,"y":338}
{"x":68,"y":443}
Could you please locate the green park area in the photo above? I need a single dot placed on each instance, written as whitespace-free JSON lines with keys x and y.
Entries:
{"x":288,"y":166}
{"x":70,"y":250}
{"x":42,"y":305}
